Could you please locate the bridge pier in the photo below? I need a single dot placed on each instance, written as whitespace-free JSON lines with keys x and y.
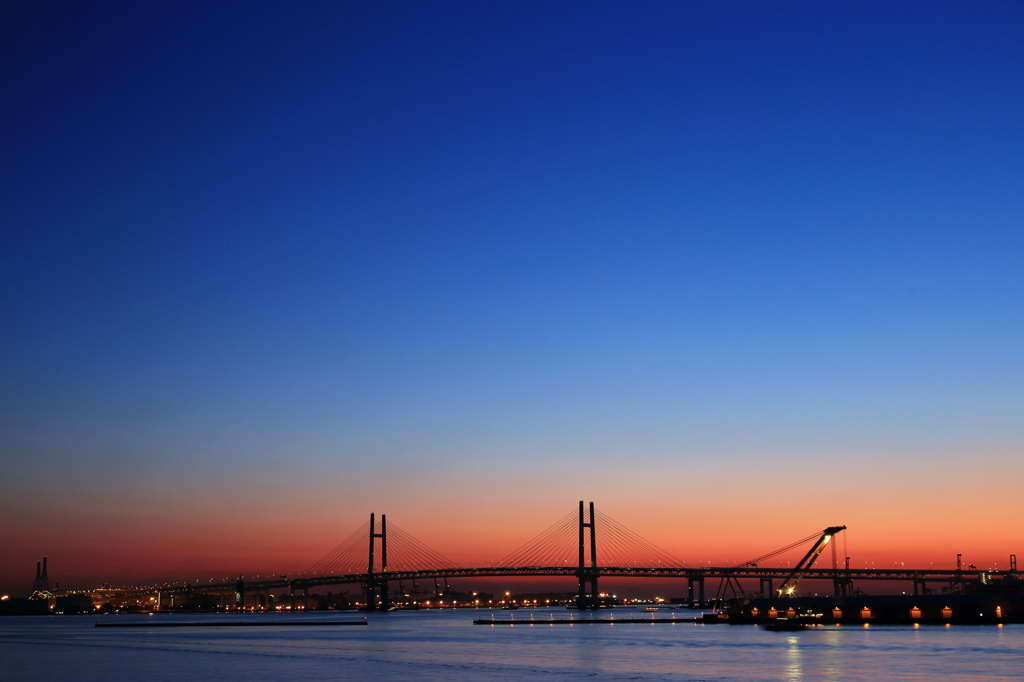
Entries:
{"x":695,"y":600}
{"x":371,"y":596}
{"x":588,"y":596}
{"x":239,"y":593}
{"x":844,"y":585}
{"x":378,"y":597}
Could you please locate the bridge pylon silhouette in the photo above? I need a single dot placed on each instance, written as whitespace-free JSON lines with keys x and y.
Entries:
{"x":588,"y":596}
{"x":377,"y":596}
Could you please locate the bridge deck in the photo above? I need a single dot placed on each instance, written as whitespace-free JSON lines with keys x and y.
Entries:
{"x":712,"y":573}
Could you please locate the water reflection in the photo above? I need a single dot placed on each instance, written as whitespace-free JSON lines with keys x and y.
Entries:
{"x":794,"y":660}
{"x":831,"y":641}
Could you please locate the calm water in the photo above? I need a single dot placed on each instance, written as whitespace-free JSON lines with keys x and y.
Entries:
{"x":442,"y":645}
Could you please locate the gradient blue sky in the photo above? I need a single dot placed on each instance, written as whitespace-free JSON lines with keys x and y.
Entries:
{"x":299,"y":261}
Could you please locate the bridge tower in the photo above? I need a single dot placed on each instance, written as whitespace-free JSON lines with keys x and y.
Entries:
{"x":588,"y":597}
{"x":377,"y":583}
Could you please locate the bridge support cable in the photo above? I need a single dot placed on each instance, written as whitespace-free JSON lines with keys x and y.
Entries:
{"x":554,"y":546}
{"x":409,"y":554}
{"x":348,"y":557}
{"x":622,"y":548}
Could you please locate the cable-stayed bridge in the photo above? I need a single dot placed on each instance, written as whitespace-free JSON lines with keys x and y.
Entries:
{"x":378,"y":554}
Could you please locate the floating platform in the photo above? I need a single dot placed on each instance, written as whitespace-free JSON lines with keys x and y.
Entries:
{"x":970,"y":608}
{"x":783,"y":625}
{"x":274,"y":624}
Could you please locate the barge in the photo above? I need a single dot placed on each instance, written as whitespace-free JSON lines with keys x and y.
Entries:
{"x":979,"y":603}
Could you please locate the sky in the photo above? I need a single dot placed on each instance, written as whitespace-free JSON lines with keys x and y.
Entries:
{"x":735,"y":271}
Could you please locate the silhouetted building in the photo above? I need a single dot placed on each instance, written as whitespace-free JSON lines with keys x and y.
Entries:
{"x":15,"y":606}
{"x":72,"y":604}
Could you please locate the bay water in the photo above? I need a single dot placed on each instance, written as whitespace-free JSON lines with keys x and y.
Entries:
{"x":445,"y":645}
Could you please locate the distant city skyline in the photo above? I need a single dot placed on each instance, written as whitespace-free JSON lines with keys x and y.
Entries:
{"x":735,"y":271}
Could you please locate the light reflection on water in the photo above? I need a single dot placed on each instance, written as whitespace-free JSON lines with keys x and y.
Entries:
{"x":793,"y":667}
{"x":441,"y":645}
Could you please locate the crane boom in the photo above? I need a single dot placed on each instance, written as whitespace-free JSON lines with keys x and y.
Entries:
{"x":788,"y":586}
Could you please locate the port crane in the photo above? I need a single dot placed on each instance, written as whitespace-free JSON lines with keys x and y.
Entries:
{"x":788,"y":586}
